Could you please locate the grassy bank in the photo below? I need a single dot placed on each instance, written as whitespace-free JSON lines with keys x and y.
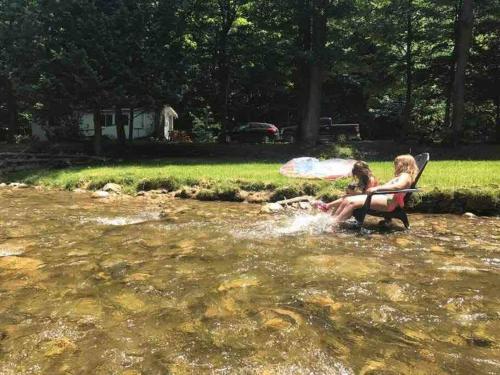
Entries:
{"x":449,"y":186}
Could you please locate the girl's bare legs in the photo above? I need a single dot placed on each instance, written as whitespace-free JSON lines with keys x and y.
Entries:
{"x":345,"y":210}
{"x":335,"y":203}
{"x":343,"y":203}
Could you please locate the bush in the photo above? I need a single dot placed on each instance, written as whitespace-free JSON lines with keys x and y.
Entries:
{"x":167,"y":183}
{"x":205,"y":129}
{"x":252,"y":185}
{"x":286,"y":192}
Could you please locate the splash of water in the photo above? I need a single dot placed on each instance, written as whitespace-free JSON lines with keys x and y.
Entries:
{"x":298,"y":223}
{"x":306,"y":223}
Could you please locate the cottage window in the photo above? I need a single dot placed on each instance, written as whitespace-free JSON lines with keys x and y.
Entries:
{"x":106,"y":120}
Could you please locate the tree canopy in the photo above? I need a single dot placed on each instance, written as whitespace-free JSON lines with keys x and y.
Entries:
{"x":416,"y":69}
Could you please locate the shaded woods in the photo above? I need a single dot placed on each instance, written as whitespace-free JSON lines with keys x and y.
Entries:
{"x":409,"y":69}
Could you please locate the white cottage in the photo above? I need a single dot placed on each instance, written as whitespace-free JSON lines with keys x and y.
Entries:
{"x":143,"y":123}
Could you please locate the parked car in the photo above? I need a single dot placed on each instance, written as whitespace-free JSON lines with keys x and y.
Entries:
{"x":252,"y":132}
{"x":328,"y":131}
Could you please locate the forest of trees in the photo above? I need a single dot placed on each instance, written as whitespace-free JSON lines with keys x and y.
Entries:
{"x":408,"y":69}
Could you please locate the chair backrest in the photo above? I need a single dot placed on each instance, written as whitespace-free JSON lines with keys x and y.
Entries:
{"x":421,"y":160}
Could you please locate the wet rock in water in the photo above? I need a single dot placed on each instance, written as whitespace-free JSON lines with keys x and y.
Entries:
{"x":437,"y":249}
{"x":130,"y":302}
{"x":224,"y":308}
{"x":427,"y":354}
{"x":184,"y":247}
{"x":344,"y":265}
{"x":19,"y":263}
{"x":14,"y":246}
{"x":242,"y":195}
{"x":138,"y":277}
{"x":191,"y":326}
{"x":185,"y":244}
{"x":480,"y":341}
{"x":393,"y":292}
{"x":403,"y":242}
{"x":382,"y":314}
{"x":100,"y":194}
{"x":372,"y":367}
{"x":278,"y":324}
{"x":112,"y":188}
{"x":324,"y":301}
{"x":453,"y":339}
{"x":18,"y":185}
{"x":140,"y":193}
{"x":441,"y":228}
{"x":271,"y":208}
{"x":78,"y":253}
{"x":296,"y":317}
{"x":58,"y":346}
{"x":416,"y":334}
{"x":483,"y":335}
{"x":305,"y":205}
{"x":115,"y":267}
{"x":14,"y":284}
{"x":86,"y":307}
{"x":470,"y":215}
{"x":280,"y":319}
{"x":102,"y":276}
{"x":238,"y":283}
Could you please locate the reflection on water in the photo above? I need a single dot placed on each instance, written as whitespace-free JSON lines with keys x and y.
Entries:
{"x":110,"y":287}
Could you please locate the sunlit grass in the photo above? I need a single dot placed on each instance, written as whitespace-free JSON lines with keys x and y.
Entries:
{"x":251,"y":175}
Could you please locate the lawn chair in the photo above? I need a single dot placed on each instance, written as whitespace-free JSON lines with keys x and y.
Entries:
{"x":398,"y":212}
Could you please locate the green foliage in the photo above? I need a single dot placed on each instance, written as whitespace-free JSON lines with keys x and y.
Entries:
{"x":205,"y":129}
{"x":245,"y":61}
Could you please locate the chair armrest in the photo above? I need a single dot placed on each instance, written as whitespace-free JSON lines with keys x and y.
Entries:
{"x":378,"y":192}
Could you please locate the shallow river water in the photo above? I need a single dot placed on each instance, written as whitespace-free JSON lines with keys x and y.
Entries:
{"x":113,"y":287}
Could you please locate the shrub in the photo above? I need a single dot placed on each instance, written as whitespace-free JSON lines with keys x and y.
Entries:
{"x":167,"y":183}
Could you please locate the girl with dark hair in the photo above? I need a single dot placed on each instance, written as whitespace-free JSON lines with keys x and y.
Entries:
{"x":365,"y":180}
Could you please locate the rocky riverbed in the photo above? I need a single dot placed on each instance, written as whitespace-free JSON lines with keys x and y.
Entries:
{"x":153,"y":284}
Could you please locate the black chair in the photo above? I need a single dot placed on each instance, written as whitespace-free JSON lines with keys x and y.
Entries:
{"x":398,"y":213}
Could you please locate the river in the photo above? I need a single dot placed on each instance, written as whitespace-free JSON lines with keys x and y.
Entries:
{"x":144,"y":286}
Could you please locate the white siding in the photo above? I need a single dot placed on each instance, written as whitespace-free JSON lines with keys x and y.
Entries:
{"x":143,"y":125}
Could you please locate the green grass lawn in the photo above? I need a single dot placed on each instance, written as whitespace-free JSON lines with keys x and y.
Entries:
{"x":174,"y":173}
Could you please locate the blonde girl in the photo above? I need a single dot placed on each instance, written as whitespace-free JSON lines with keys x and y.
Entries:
{"x":405,"y":172}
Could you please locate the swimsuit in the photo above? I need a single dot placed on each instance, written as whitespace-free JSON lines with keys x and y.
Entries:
{"x":395,"y":200}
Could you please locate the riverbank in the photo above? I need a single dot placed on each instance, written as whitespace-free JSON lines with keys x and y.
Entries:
{"x":451,"y":186}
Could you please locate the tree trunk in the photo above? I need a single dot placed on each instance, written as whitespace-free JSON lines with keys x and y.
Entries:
{"x":97,"y":131}
{"x":131,"y":125}
{"x":449,"y":89}
{"x":408,"y":108}
{"x":120,"y":128}
{"x":159,"y":124}
{"x":497,"y":117}
{"x":228,"y":13}
{"x":463,"y":45}
{"x":12,"y":109}
{"x":310,"y":124}
{"x":303,"y":70}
